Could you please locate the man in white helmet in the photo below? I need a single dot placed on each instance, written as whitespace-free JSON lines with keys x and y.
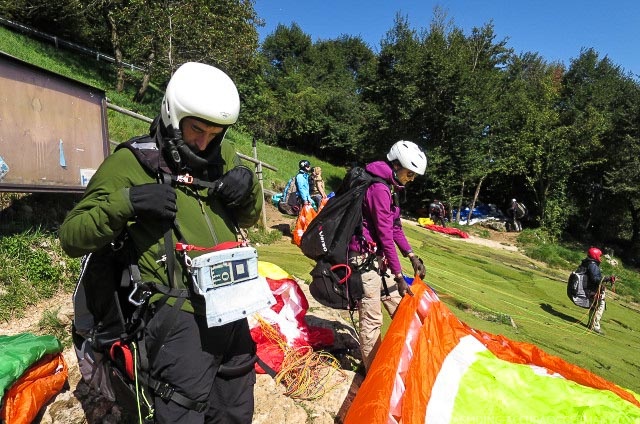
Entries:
{"x":182,"y":182}
{"x":375,"y":253}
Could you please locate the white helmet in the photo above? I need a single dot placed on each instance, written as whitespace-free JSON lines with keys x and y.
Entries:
{"x":201,"y":91}
{"x":409,"y":155}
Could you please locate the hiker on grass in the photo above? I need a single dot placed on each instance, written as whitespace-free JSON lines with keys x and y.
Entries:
{"x":302,"y":182}
{"x":375,"y":253}
{"x":200,"y":104}
{"x":596,"y":287}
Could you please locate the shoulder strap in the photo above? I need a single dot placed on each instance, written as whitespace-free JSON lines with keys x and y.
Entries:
{"x":145,"y":149}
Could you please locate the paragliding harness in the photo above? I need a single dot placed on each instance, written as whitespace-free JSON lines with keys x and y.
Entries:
{"x":335,"y":282}
{"x":577,"y":288}
{"x":112,"y":308}
{"x":289,"y":204}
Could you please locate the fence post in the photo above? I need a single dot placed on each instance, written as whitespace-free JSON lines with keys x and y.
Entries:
{"x":259,"y":173}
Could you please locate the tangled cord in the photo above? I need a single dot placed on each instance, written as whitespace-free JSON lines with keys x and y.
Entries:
{"x":305,"y":374}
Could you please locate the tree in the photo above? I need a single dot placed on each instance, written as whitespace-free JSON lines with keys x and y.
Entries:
{"x":316,"y":88}
{"x":602,"y":105}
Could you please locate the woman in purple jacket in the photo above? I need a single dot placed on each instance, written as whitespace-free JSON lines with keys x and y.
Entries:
{"x":375,"y":253}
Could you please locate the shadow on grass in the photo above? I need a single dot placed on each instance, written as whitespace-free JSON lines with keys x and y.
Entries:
{"x":549,"y":309}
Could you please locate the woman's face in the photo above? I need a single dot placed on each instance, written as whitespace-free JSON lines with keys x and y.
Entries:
{"x":404,"y":176}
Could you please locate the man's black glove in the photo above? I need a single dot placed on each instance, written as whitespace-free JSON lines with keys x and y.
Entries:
{"x":233,"y":186}
{"x":156,"y":200}
{"x":418,"y":266}
{"x":403,"y":287}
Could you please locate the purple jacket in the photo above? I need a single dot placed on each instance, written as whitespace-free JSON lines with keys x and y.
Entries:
{"x":381,"y":219}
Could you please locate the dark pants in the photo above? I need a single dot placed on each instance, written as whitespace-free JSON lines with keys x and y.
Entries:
{"x":317,"y":198}
{"x":438,"y":218}
{"x":189,"y":360}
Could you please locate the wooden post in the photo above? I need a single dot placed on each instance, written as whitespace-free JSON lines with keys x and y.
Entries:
{"x":259,"y":174}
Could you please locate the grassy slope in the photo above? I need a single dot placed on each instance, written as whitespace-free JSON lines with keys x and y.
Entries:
{"x":490,"y":288}
{"x":485,"y":288}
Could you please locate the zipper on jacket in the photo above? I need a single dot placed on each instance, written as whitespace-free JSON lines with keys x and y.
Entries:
{"x":208,"y":221}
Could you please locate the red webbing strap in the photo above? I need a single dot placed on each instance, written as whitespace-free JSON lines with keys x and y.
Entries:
{"x":185,"y":247}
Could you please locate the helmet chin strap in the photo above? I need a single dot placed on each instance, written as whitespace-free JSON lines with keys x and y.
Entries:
{"x":178,"y":151}
{"x":191,"y":158}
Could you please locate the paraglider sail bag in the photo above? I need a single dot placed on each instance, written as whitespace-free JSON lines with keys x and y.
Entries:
{"x":229,"y":282}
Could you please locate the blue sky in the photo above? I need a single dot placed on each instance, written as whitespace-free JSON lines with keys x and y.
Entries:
{"x":557,"y":30}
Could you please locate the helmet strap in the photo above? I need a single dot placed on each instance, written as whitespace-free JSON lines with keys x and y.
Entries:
{"x":177,"y":151}
{"x":190,"y":157}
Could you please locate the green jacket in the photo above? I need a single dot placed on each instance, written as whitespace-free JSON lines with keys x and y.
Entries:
{"x":105,"y":210}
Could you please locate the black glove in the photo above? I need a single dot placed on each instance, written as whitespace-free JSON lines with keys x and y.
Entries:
{"x":418,"y":266}
{"x":403,"y":287}
{"x":156,"y":200}
{"x":233,"y":186}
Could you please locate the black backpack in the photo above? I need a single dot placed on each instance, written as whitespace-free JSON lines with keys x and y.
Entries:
{"x":577,"y":288}
{"x":326,"y":240}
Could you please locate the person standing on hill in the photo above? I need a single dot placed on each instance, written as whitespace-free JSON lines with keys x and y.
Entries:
{"x":595,"y":287}
{"x":516,"y":212}
{"x":375,"y":252}
{"x":302,"y":182}
{"x":437,"y":212}
{"x":181,"y":182}
{"x":317,"y":186}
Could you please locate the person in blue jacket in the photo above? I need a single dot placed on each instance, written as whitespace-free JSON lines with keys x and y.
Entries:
{"x":302,"y":182}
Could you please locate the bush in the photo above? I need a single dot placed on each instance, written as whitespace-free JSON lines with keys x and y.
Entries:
{"x":33,"y":268}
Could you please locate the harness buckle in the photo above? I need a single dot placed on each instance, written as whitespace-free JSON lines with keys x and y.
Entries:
{"x":165,"y":391}
{"x":185,"y":179}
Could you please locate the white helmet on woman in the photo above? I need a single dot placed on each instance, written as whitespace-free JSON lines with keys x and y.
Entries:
{"x":201,"y":91}
{"x":409,"y":155}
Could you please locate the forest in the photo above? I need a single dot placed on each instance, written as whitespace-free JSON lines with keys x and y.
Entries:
{"x":495,"y":124}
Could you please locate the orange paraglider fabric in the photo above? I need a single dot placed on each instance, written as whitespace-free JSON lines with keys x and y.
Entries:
{"x":432,"y":367}
{"x":33,"y":389}
{"x":307,"y":213}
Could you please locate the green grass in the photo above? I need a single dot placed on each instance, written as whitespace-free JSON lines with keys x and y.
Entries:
{"x":493,"y":290}
{"x":51,"y":324}
{"x":33,"y":268}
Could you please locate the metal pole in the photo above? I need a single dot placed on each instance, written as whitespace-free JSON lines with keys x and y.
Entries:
{"x":259,"y":173}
